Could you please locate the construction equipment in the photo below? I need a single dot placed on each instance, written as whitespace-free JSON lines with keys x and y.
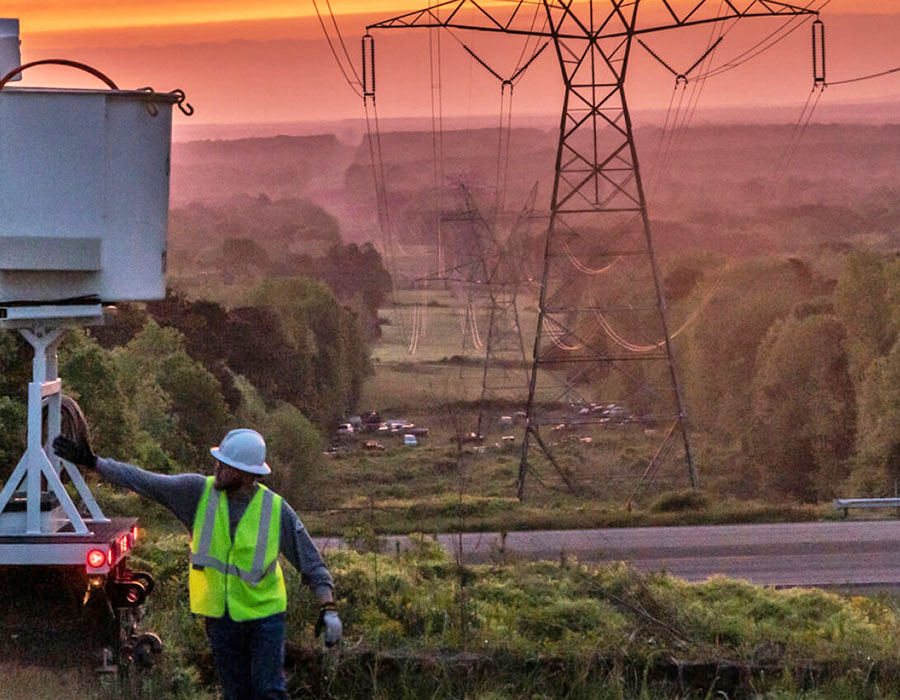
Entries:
{"x":85,"y":180}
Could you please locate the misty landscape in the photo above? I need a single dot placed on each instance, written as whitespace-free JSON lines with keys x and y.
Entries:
{"x":740,"y":212}
{"x":603,"y":451}
{"x":778,"y":258}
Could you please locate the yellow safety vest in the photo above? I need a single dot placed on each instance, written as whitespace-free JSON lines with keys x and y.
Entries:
{"x":243,"y":576}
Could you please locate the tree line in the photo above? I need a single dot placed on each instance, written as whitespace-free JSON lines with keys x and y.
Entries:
{"x":793,"y":373}
{"x":161,"y":383}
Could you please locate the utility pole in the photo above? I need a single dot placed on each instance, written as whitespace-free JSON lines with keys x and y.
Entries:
{"x":602,"y":350}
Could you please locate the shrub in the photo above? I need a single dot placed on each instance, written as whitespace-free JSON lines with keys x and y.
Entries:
{"x":678,"y":501}
{"x":294,"y":451}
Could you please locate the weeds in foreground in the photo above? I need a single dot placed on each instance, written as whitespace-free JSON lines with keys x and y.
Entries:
{"x":550,"y":630}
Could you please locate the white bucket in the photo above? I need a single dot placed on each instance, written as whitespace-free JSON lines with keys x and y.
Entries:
{"x":84,"y":194}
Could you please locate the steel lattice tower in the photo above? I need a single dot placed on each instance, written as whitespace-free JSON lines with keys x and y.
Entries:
{"x":491,"y":266}
{"x":602,"y":334}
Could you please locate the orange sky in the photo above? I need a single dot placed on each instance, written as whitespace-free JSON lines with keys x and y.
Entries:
{"x":266,"y":61}
{"x":67,"y":15}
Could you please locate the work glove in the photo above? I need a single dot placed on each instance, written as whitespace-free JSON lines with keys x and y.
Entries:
{"x":75,"y":451}
{"x":330,"y":623}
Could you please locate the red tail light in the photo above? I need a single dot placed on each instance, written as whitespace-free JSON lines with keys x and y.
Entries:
{"x":123,"y":544}
{"x":97,"y":558}
{"x":109,"y":557}
{"x":134,"y":533}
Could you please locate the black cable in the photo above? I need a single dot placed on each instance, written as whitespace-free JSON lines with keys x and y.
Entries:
{"x":520,"y":71}
{"x":743,"y":57}
{"x":537,"y":9}
{"x":864,"y":77}
{"x":353,"y":86}
{"x":483,"y":64}
{"x":337,"y":30}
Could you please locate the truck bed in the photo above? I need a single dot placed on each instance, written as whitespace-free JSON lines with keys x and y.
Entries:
{"x":64,"y":547}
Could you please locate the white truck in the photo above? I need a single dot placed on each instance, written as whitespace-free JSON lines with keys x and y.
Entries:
{"x":84,"y":176}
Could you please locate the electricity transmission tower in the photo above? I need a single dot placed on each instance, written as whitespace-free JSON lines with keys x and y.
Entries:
{"x":602,"y":350}
{"x":492,"y":268}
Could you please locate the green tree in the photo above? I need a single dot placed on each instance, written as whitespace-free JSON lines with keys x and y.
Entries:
{"x":15,"y":373}
{"x":15,"y":365}
{"x":860,"y":300}
{"x":12,"y":434}
{"x":276,"y":225}
{"x":91,"y":378}
{"x":319,"y":328}
{"x":258,"y":348}
{"x":205,"y":327}
{"x":332,"y":369}
{"x":177,"y":402}
{"x":357,"y":272}
{"x":878,"y":463}
{"x":294,"y":451}
{"x":719,"y":352}
{"x":803,"y":411}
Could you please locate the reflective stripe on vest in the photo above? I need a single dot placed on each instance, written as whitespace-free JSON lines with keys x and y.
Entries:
{"x":219,"y":582}
{"x":202,"y":558}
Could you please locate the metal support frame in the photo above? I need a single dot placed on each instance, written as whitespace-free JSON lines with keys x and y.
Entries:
{"x":602,"y":313}
{"x":492,"y":270}
{"x":599,"y":222}
{"x":44,"y":327}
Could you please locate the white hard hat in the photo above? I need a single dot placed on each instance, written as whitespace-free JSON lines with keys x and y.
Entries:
{"x":243,"y":449}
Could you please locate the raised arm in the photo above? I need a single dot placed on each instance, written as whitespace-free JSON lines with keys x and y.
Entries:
{"x":180,"y":493}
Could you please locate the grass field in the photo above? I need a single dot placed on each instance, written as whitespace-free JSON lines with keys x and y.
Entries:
{"x":442,"y":330}
{"x":434,"y":488}
{"x":419,"y":625}
{"x":598,"y":476}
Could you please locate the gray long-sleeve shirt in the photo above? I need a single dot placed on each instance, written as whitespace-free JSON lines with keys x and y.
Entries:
{"x":181,"y":494}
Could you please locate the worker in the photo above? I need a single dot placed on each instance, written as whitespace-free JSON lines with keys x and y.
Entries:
{"x":238,"y":529}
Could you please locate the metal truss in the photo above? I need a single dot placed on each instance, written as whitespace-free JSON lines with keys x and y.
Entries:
{"x":602,"y":354}
{"x":492,"y":268}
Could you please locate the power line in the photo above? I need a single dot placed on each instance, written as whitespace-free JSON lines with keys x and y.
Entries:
{"x":764,"y":45}
{"x":337,"y":30}
{"x":354,"y":85}
{"x":865,"y":77}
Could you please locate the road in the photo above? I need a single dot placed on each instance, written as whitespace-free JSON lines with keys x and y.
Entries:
{"x":851,"y":554}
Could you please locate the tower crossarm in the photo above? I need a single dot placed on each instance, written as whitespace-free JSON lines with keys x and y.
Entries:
{"x":597,"y":19}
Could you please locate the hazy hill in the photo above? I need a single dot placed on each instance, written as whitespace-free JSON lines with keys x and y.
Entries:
{"x":281,"y":166}
{"x":838,"y":181}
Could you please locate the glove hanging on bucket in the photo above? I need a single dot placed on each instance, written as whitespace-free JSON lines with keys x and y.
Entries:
{"x":75,"y":451}
{"x":330,"y":623}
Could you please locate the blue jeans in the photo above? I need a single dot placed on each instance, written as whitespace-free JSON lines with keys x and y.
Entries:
{"x":249,"y":657}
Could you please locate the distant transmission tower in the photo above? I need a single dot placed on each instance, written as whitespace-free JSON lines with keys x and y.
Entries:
{"x":492,"y":268}
{"x":602,"y":351}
